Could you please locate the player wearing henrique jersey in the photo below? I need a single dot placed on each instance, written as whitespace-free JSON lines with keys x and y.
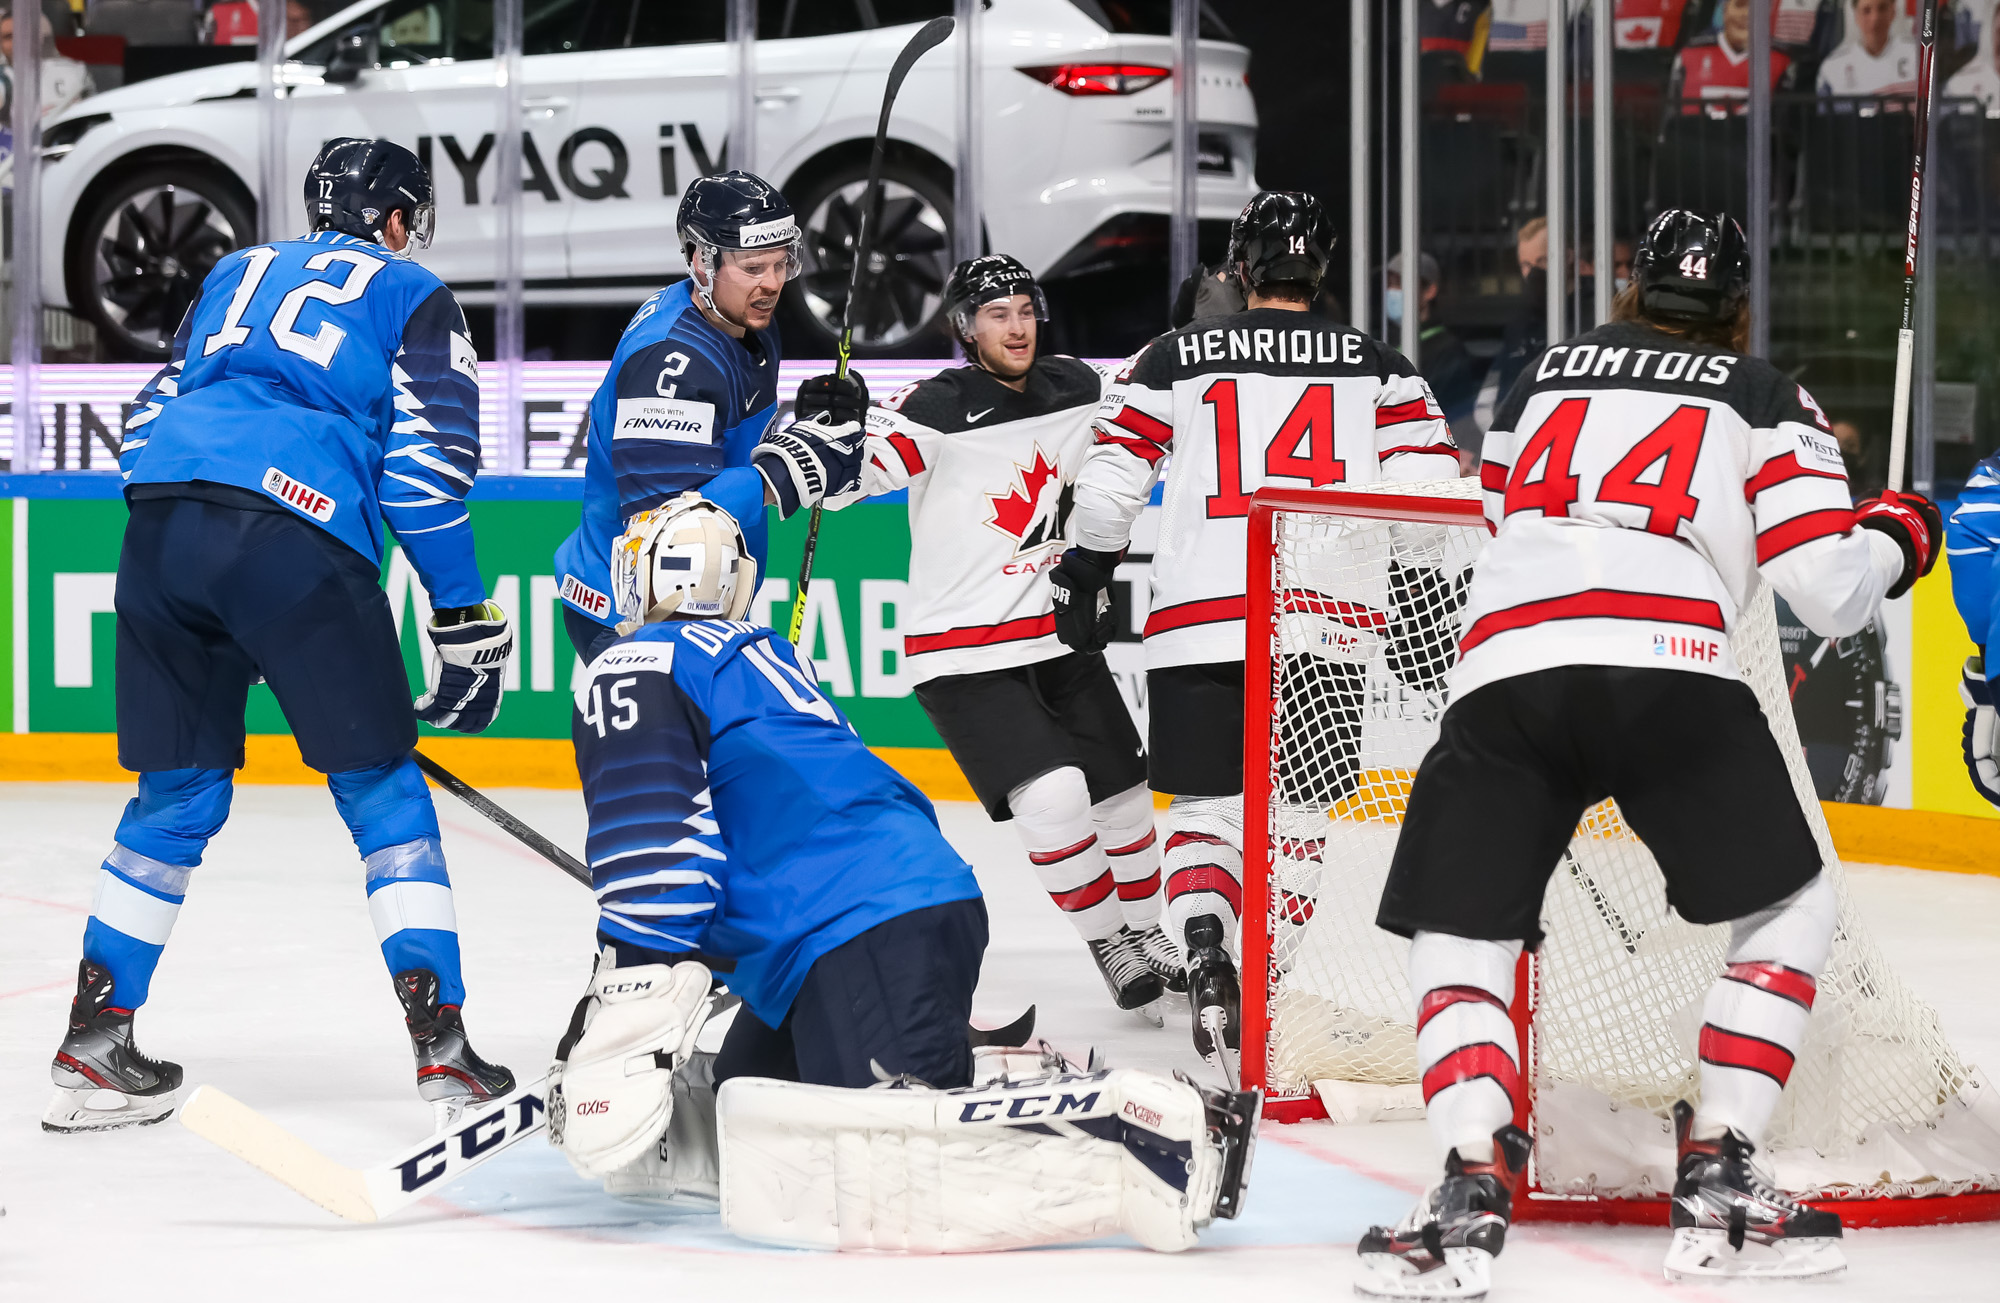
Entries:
{"x":1640,"y":478}
{"x":1269,"y":396}
{"x":987,"y":452}
{"x":688,"y":399}
{"x":319,"y":388}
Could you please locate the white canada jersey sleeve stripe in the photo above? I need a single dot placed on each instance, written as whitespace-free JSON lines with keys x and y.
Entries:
{"x":1262,"y":398}
{"x":1637,"y":484}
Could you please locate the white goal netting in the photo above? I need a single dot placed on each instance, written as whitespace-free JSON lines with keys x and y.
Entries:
{"x":1364,"y":626}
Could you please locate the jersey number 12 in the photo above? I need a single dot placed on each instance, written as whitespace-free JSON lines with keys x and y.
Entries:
{"x":318,"y":347}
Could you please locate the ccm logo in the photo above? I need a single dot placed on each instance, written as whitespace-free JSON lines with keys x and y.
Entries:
{"x":302,"y":496}
{"x":593,"y":1107}
{"x":1143,"y":1115}
{"x":619,"y":988}
{"x":579,"y":594}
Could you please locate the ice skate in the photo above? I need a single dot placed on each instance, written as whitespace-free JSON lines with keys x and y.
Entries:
{"x":1731,"y":1223}
{"x":1164,"y":958}
{"x":1445,"y":1248}
{"x":1215,"y":998}
{"x":1133,"y":984}
{"x":449,"y":1074}
{"x":102,"y":1080}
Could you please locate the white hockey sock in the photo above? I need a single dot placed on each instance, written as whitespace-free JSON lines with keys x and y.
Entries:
{"x":1125,"y":830}
{"x":1203,"y":862}
{"x":1467,"y":1048}
{"x":1754,"y":1019}
{"x":1053,"y":818}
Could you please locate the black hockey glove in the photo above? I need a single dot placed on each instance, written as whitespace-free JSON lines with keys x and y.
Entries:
{"x":833,"y":399}
{"x":1914,"y":521}
{"x":807,"y":461}
{"x":1081,"y":584}
{"x":473,"y":644}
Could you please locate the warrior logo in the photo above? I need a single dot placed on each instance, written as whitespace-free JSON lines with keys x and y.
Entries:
{"x":1035,"y":509}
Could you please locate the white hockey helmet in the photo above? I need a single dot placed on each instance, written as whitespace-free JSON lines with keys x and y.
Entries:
{"x":683,"y":560}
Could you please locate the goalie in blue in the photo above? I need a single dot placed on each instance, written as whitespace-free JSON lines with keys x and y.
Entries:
{"x":319,"y":388}
{"x":736,"y":819}
{"x":1972,"y":543}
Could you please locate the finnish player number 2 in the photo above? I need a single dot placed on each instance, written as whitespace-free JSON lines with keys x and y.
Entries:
{"x":1674,"y":445}
{"x":1301,"y":449}
{"x":318,"y":347}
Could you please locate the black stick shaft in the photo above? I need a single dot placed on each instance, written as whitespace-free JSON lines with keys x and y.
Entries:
{"x":521,"y":832}
{"x":1899,"y":420}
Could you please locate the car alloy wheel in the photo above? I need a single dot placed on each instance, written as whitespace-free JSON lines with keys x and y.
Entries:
{"x":150,"y":252}
{"x":904,"y":283}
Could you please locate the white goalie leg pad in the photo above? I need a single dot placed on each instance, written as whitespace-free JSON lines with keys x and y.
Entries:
{"x":617,"y":1086}
{"x":685,"y":1167}
{"x":1068,"y":1157}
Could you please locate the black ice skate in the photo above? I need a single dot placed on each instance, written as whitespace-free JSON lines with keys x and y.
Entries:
{"x":102,"y":1080}
{"x":1133,"y":984}
{"x":449,"y":1074}
{"x":1445,"y":1248}
{"x":1215,"y":997}
{"x":1730,"y":1222}
{"x":1164,"y":958}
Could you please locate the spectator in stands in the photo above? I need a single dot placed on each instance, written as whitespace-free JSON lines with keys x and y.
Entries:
{"x":1715,"y":67}
{"x":1867,"y":459}
{"x":1527,"y":333}
{"x":1443,"y":360}
{"x":64,"y":80}
{"x":1980,"y":79}
{"x":1875,"y":60}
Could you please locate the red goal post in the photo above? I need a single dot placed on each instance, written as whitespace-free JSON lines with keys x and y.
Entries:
{"x":1882,"y":1123}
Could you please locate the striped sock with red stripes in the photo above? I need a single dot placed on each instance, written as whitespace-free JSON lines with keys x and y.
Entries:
{"x":1125,"y":829}
{"x":1052,"y":815}
{"x":1755,"y":1017}
{"x":1467,"y":1048}
{"x":1203,"y":862}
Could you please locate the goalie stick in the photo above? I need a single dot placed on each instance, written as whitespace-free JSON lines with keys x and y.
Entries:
{"x":1899,"y":412}
{"x":928,"y":36}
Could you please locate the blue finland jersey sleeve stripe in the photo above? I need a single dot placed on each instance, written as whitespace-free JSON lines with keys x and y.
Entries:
{"x":432,"y":453}
{"x":163,"y":388}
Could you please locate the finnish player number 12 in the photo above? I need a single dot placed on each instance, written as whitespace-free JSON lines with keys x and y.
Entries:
{"x":318,"y":347}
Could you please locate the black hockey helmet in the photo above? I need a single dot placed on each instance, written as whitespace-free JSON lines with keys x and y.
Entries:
{"x":735,"y":210}
{"x":355,"y":184}
{"x":1692,"y":266}
{"x":984,"y":279}
{"x":1281,"y":236}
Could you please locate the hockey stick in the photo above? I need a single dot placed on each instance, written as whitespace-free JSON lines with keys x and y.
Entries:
{"x":369,"y":1194}
{"x":930,"y":35}
{"x":1906,"y":337}
{"x":520,"y":831}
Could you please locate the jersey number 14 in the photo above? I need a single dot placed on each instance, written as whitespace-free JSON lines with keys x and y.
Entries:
{"x":1301,"y":449}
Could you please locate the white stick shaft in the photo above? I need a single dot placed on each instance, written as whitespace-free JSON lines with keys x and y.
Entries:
{"x":1899,"y":417}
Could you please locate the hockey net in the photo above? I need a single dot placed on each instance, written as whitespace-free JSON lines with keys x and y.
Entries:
{"x":1354,"y":609}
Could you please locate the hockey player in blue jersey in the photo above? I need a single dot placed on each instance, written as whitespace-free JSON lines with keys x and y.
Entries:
{"x":319,"y":388}
{"x":690,"y":395}
{"x":1972,"y":543}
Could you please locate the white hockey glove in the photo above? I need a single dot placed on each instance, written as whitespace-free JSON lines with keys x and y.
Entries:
{"x":473,"y":644}
{"x":807,"y":461}
{"x":1982,"y":733}
{"x":616,"y":1097}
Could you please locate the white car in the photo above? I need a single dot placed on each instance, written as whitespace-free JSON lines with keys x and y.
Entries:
{"x":624,"y":101}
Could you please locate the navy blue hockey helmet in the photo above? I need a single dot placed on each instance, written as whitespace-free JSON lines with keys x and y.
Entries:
{"x":1692,"y":266}
{"x":1281,"y":237}
{"x":355,"y":184}
{"x":735,"y":210}
{"x":984,"y":279}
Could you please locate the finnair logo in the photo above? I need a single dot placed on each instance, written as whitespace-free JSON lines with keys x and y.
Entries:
{"x":758,"y":235}
{"x":303,"y":497}
{"x":675,"y":420}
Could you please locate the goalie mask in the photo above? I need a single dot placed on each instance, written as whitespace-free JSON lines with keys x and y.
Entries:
{"x":683,"y":560}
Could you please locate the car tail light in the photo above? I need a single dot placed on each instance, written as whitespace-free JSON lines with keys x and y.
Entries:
{"x":1099,"y":78}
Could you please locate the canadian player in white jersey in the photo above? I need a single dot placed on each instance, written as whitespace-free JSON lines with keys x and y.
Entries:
{"x":988,"y":451}
{"x":1640,"y":478}
{"x":1876,"y":60}
{"x":1272,"y":396}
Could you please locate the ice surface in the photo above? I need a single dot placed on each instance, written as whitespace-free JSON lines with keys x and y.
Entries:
{"x":274,"y":991}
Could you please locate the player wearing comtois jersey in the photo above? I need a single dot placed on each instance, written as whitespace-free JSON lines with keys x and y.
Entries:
{"x":1274,"y":396}
{"x":988,"y":451}
{"x":1640,"y":478}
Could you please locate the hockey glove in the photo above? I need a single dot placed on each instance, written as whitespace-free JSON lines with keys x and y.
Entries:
{"x":832,"y":399}
{"x":807,"y":461}
{"x":1082,"y":590}
{"x":473,"y":644}
{"x":1914,"y":522}
{"x":1980,"y":730}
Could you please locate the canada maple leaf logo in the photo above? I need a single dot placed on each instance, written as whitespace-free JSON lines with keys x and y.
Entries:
{"x":1022,"y":514}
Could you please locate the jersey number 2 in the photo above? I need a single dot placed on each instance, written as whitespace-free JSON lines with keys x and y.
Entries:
{"x":1301,"y":449}
{"x":1674,"y":446}
{"x":318,"y":347}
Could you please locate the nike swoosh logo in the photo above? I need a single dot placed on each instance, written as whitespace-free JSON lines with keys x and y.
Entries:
{"x":974,"y":416}
{"x":749,"y":402}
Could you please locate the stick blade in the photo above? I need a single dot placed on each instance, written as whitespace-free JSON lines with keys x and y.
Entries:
{"x":931,"y":35}
{"x":233,"y":1125}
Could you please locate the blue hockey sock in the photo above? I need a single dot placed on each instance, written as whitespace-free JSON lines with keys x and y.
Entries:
{"x":389,"y":813}
{"x":144,"y":879}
